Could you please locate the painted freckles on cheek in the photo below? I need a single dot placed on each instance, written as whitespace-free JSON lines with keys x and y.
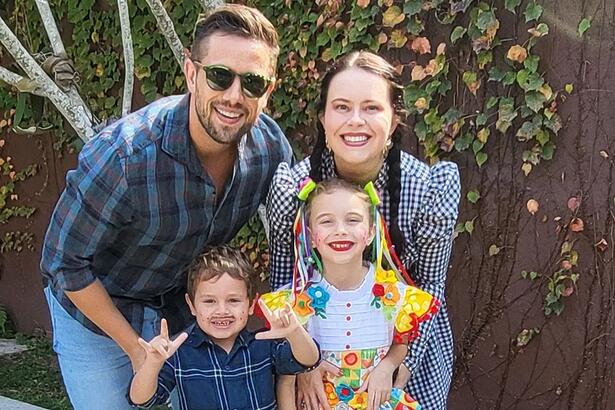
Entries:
{"x":366,"y":238}
{"x":316,"y":240}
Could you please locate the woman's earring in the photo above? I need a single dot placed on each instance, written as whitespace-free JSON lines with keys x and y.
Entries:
{"x":327,"y":143}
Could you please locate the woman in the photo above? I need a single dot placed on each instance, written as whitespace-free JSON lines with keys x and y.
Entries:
{"x":359,"y":139}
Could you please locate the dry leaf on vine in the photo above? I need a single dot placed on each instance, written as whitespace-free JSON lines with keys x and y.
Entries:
{"x":517,"y":53}
{"x":418,"y":73}
{"x":532,"y":206}
{"x":602,"y":245}
{"x":574,"y":203}
{"x":577,"y":225}
{"x":421,"y":45}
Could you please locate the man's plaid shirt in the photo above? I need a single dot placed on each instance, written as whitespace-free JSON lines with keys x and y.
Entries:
{"x":139,"y":207}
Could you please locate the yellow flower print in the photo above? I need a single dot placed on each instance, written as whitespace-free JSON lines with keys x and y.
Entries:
{"x":416,"y":301}
{"x":359,"y":401}
{"x":385,"y":276}
{"x":276,"y":300}
{"x":403,"y":323}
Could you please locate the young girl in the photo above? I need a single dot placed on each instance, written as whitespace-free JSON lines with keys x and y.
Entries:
{"x":361,"y":314}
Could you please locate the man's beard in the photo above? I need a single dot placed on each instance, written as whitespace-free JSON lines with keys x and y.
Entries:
{"x":218,"y":132}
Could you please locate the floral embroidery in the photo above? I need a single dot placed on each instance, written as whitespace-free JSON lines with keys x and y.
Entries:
{"x":417,"y":306}
{"x":350,"y":360}
{"x":391,"y":295}
{"x":404,"y":323}
{"x":344,"y":392}
{"x":303,"y":305}
{"x":386,"y":297}
{"x":359,"y":401}
{"x":320,"y":297}
{"x":401,"y":400}
{"x":331,"y":395}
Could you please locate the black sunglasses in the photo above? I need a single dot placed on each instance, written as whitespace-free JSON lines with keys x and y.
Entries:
{"x":220,"y":78}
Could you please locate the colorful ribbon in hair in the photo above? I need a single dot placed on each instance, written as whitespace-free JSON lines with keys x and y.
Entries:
{"x":382,"y":245}
{"x":306,"y":259}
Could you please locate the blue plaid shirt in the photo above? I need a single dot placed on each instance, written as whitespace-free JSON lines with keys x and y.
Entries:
{"x":139,"y":207}
{"x":209,"y":378}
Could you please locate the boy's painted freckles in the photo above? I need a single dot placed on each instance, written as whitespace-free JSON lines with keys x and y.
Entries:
{"x":221,"y":307}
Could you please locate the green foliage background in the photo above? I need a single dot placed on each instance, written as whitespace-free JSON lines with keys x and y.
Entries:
{"x":469,"y":79}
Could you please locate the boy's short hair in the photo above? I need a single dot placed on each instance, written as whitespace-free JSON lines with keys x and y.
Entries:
{"x":237,"y":20}
{"x":216,"y":261}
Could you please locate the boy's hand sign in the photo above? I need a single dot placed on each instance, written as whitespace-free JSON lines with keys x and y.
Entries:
{"x":283,"y":322}
{"x":162,"y":347}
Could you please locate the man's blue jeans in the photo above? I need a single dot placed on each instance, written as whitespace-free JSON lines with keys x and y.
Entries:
{"x":96,"y":371}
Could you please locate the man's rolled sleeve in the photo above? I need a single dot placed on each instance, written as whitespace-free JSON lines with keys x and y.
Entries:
{"x":87,"y":218}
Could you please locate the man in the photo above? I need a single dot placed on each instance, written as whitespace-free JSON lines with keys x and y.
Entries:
{"x":149,"y":193}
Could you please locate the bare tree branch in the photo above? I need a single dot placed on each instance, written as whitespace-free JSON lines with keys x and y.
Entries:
{"x":51,"y":28}
{"x":10,"y":77}
{"x":211,"y":4}
{"x":75,"y":113}
{"x":129,"y":60}
{"x":58,"y":48}
{"x":23,"y":84}
{"x":168,"y":30}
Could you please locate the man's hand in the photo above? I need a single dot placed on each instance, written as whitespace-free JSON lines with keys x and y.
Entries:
{"x":161,"y":347}
{"x":310,"y":388}
{"x":283,"y":322}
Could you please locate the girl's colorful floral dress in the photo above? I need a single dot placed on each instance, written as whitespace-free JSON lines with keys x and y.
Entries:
{"x":355,"y":329}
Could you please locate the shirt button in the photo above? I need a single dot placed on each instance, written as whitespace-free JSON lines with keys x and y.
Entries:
{"x":348,"y":318}
{"x":348,"y":304}
{"x":227,"y":367}
{"x":347,"y":347}
{"x":348,"y":333}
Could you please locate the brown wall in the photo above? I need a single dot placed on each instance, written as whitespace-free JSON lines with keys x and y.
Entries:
{"x":20,"y":279}
{"x":569,"y":365}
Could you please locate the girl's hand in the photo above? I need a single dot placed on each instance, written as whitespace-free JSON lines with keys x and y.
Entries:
{"x":378,"y":385}
{"x":283,"y":322}
{"x":161,"y":347}
{"x":310,"y":388}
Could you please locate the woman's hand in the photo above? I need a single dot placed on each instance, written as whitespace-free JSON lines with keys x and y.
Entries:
{"x":403,"y":377}
{"x":310,"y":388}
{"x":378,"y":385}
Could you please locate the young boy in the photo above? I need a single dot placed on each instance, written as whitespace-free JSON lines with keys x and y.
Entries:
{"x":216,"y":363}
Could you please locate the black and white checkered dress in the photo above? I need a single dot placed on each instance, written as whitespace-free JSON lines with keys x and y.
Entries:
{"x":428,"y":210}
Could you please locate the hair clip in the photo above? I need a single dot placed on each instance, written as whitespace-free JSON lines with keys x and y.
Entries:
{"x":372,"y":193}
{"x":305,"y":188}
